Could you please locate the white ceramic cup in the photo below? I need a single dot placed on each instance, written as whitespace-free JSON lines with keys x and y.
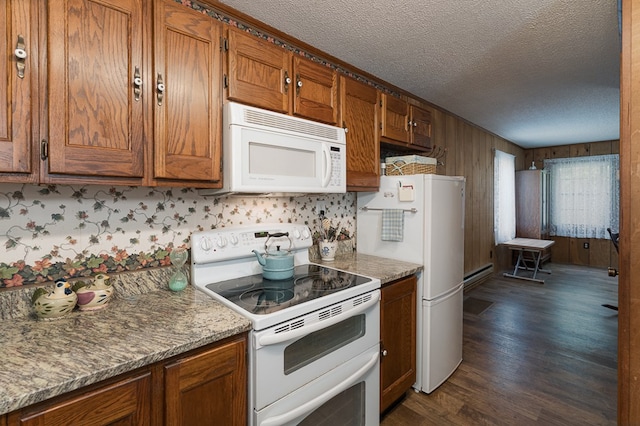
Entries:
{"x":328,"y":250}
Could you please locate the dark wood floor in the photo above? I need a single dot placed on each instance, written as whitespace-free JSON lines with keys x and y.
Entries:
{"x":539,"y":355}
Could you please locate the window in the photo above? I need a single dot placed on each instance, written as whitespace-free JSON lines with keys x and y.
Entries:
{"x":584,"y":196}
{"x":504,"y":197}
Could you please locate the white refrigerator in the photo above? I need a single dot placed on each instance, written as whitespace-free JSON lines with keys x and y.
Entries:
{"x":432,"y":234}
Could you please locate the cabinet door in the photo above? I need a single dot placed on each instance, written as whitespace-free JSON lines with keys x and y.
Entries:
{"x":398,"y":340}
{"x":187,"y":96}
{"x":208,"y":388}
{"x":359,"y":115}
{"x":421,"y":127}
{"x":316,"y":91}
{"x":395,"y":119}
{"x":94,"y":51}
{"x":258,"y":72}
{"x":17,"y":75}
{"x":127,"y":402}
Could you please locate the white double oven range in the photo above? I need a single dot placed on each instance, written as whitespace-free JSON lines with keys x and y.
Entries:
{"x":314,"y":347}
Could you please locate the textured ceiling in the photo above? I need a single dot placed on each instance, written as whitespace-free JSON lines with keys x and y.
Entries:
{"x":535,"y":72}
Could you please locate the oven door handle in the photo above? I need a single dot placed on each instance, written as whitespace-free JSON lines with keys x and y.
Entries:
{"x":274,"y":339}
{"x":318,"y":401}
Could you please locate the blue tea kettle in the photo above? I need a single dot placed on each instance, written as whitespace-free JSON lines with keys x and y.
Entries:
{"x":276,"y":264}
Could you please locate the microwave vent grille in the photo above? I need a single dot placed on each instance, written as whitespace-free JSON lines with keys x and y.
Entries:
{"x":277,"y":122}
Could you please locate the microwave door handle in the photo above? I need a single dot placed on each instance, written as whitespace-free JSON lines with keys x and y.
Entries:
{"x":326,"y":162}
{"x":318,"y":401}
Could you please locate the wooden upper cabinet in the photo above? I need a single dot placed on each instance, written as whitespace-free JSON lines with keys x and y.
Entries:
{"x":187,"y":94}
{"x":405,"y":123}
{"x":265,"y":75}
{"x":19,"y":77}
{"x":209,"y":387}
{"x":316,"y":91}
{"x":395,"y":119}
{"x":94,"y":82}
{"x":359,"y":115}
{"x":421,"y":122}
{"x":257,"y":72}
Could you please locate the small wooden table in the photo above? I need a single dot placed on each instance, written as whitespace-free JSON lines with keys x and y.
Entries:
{"x":532,"y":247}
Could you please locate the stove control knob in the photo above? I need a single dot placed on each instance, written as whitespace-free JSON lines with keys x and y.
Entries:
{"x":296,"y":234}
{"x":305,"y":233}
{"x":222,"y":242}
{"x":205,"y":244}
{"x":234,"y":240}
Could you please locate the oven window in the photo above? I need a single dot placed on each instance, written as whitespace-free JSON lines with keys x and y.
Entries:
{"x":346,"y":408}
{"x":316,"y":345}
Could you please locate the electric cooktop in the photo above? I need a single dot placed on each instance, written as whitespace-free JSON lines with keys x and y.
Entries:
{"x":260,"y":296}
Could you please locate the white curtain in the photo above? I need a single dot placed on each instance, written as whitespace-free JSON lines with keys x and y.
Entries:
{"x":504,"y":197}
{"x":584,"y":196}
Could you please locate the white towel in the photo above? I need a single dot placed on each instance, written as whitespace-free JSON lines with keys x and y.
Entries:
{"x":392,"y":224}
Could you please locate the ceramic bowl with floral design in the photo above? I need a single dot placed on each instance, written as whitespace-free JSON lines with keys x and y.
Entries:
{"x":56,"y":303}
{"x":94,"y":295}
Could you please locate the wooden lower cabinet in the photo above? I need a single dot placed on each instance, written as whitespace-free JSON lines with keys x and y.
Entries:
{"x":125,"y":402}
{"x":398,"y":340}
{"x":202,"y":387}
{"x":208,"y":388}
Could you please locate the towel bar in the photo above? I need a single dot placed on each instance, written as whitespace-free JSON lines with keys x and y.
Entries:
{"x":411,"y":210}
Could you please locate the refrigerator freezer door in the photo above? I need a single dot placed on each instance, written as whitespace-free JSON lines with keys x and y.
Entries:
{"x":442,"y":339}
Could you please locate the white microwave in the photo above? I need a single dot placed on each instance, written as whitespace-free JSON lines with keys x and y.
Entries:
{"x":268,"y":153}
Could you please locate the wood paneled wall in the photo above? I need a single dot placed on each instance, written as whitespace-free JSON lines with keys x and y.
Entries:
{"x":599,"y":253}
{"x":470,"y":152}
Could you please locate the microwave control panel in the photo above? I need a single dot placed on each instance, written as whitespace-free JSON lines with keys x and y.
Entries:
{"x":336,"y":166}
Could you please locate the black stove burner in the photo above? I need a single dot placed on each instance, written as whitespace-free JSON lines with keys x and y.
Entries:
{"x":261,"y":296}
{"x":272,"y":291}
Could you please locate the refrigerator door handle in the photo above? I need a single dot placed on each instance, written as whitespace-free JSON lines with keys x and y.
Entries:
{"x":366,"y":209}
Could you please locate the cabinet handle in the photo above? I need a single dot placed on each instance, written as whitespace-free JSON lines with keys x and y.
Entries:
{"x":44,"y":149}
{"x":160,"y":89}
{"x":344,"y":126}
{"x":298,"y":84}
{"x":384,"y":352}
{"x":414,"y":124}
{"x":287,"y":81}
{"x":137,"y":84}
{"x":21,"y":55}
{"x":410,"y":123}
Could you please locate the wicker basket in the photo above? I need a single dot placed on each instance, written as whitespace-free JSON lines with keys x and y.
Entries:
{"x":410,"y":165}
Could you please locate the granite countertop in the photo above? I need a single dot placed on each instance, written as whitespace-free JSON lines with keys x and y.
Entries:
{"x":386,"y":270}
{"x":42,"y":359}
{"x":146,"y":323}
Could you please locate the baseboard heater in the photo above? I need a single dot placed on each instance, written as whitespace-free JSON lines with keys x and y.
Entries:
{"x":478,"y":276}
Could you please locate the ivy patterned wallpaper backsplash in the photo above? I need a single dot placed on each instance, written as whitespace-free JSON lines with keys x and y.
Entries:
{"x":54,"y":231}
